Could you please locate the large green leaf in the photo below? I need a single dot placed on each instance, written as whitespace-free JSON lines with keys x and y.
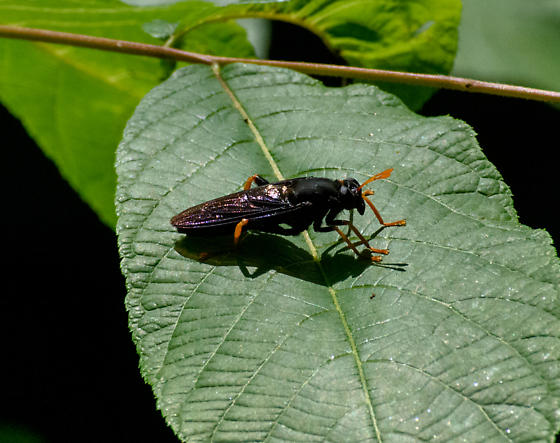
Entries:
{"x":279,"y":339}
{"x":511,"y":40}
{"x":75,"y":102}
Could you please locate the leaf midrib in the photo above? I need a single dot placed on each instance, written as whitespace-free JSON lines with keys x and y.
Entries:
{"x":266,"y":152}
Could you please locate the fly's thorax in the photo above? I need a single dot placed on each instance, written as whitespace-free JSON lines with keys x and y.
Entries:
{"x":316,"y":190}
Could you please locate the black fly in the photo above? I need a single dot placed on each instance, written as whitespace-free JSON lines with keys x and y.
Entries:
{"x":296,"y":203}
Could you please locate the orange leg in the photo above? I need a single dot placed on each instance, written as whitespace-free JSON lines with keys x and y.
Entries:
{"x":249,"y":182}
{"x":376,"y":212}
{"x":363,"y":240}
{"x":239,"y":230}
{"x":375,"y":258}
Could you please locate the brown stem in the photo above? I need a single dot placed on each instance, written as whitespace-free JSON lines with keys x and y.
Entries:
{"x":437,"y":81}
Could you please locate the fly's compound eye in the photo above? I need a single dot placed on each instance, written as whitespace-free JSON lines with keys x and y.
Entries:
{"x":351,"y":185}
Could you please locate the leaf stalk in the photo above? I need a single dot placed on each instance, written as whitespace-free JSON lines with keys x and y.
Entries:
{"x":135,"y":48}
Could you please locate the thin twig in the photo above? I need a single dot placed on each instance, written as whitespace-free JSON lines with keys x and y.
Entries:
{"x":437,"y":81}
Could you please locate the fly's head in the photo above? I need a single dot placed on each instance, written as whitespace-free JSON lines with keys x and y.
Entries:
{"x":351,"y":195}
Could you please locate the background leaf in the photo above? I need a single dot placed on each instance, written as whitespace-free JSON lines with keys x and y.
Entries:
{"x":464,"y":343}
{"x":411,"y":35}
{"x":511,"y":41}
{"x":75,"y":101}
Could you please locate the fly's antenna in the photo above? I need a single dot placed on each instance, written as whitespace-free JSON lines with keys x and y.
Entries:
{"x":367,"y":192}
{"x":384,"y":174}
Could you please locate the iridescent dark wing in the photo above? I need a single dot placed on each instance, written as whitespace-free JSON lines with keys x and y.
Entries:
{"x":255,"y":203}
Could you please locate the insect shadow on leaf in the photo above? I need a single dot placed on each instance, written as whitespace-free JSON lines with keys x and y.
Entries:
{"x":266,"y":252}
{"x":394,"y":266}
